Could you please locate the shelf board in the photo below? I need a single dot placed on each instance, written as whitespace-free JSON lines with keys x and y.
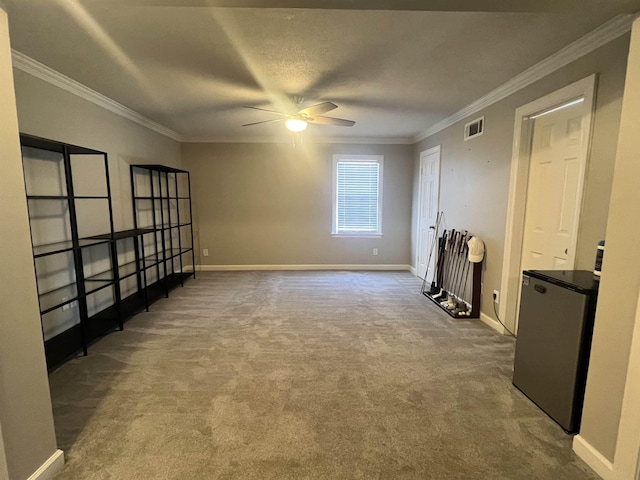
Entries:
{"x":159,"y":168}
{"x":167,"y":226}
{"x":106,"y":275}
{"x":48,"y":197}
{"x":52,"y":299}
{"x":91,"y":242}
{"x":175,"y":252}
{"x":97,"y":285}
{"x":66,"y":197}
{"x":65,"y":246}
{"x":53,"y":146}
{"x":122,"y":234}
{"x":163,"y":198}
{"x":127,"y":270}
{"x":52,"y":248}
{"x":151,"y":261}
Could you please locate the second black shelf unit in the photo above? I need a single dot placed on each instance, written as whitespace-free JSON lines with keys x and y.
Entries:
{"x":162,"y":205}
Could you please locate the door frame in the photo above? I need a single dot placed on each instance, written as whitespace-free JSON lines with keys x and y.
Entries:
{"x":518,"y":184}
{"x":627,"y":456}
{"x":437,"y":149}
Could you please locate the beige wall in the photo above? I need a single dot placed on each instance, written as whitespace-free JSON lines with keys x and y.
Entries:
{"x":475,"y":174}
{"x":50,"y":112}
{"x":270,"y":204}
{"x":620,"y":283}
{"x":25,"y":406}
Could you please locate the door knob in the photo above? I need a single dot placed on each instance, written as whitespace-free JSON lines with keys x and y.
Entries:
{"x":432,"y":227}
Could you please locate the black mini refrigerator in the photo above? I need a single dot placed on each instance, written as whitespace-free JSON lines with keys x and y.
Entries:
{"x":555,"y":326}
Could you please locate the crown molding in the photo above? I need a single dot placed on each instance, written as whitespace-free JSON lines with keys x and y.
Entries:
{"x":602,"y":35}
{"x":365,"y":140}
{"x":196,"y":139}
{"x":33,"y":67}
{"x":288,"y":140}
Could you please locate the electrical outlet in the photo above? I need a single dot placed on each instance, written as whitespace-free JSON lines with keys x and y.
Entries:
{"x":205,"y":252}
{"x":375,"y":251}
{"x":496,"y":296}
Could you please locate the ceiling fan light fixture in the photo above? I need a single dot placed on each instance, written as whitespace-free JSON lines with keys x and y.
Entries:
{"x":295,"y":124}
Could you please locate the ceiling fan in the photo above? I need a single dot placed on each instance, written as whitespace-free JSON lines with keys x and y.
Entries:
{"x":298,"y":121}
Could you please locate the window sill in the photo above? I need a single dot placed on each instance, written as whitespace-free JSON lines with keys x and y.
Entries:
{"x":357,"y":235}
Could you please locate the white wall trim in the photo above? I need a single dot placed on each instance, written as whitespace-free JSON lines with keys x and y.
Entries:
{"x":316,"y":266}
{"x":593,"y":458}
{"x":50,"y":468}
{"x":602,"y":35}
{"x":413,"y":271}
{"x":57,"y":79}
{"x":486,"y":319}
{"x":517,"y":197}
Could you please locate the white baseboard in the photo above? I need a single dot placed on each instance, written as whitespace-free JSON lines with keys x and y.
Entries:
{"x":593,"y":458}
{"x":50,"y":468}
{"x":413,"y":271}
{"x":221,"y":268}
{"x":493,"y":323}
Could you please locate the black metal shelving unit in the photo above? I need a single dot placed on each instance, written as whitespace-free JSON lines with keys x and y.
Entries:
{"x":162,"y":206}
{"x":91,"y":278}
{"x":74,"y":263}
{"x":132,"y":297}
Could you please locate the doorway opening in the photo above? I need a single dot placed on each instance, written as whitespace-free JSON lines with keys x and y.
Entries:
{"x":428,"y":204}
{"x":537,"y":221}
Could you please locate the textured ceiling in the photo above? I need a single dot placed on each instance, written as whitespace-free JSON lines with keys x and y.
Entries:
{"x":395,"y":67}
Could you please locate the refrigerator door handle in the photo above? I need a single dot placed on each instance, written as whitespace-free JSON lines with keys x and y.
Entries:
{"x":540,"y":288}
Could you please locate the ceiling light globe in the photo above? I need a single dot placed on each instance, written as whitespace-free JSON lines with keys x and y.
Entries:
{"x":295,"y":124}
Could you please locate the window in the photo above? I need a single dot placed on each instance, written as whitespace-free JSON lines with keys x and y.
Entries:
{"x":357,"y":195}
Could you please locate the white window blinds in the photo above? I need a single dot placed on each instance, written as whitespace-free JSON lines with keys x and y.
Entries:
{"x":358,"y":196}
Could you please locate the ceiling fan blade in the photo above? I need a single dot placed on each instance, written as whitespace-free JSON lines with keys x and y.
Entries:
{"x":264,"y":121}
{"x":265,"y":110}
{"x":339,"y":122}
{"x":318,"y":109}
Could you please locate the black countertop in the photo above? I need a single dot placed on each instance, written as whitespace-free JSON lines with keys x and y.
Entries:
{"x":582,"y":281}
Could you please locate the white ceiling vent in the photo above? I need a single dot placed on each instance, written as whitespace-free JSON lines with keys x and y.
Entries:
{"x":474,"y":129}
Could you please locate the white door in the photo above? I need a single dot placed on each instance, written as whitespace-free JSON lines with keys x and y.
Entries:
{"x":429,"y":195}
{"x":554,"y":191}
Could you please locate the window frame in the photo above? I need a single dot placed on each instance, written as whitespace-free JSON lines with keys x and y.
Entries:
{"x":379,"y":159}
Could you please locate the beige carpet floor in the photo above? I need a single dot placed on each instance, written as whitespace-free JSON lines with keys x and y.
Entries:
{"x":302,"y":375}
